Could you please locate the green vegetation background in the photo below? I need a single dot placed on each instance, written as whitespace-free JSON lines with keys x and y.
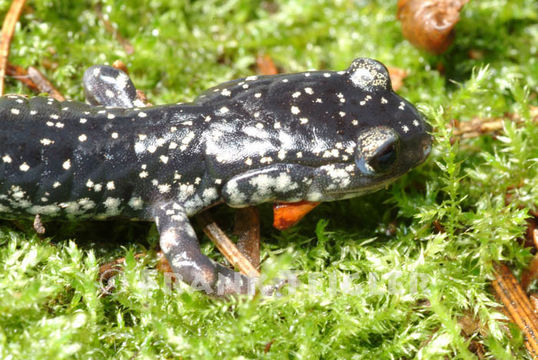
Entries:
{"x":408,"y":284}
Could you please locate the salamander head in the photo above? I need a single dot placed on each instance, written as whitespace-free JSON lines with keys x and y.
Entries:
{"x":388,"y":134}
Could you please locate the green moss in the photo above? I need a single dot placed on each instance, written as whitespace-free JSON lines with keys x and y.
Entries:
{"x":402,"y":284}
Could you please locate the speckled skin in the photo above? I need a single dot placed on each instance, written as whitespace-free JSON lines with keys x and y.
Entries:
{"x":316,"y":136}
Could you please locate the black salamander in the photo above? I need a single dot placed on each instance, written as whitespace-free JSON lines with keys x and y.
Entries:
{"x":314,"y":136}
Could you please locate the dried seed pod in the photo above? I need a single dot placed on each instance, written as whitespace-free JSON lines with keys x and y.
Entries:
{"x":429,"y":24}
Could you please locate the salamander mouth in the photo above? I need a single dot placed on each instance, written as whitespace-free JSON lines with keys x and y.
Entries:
{"x":353,"y":192}
{"x":343,"y":181}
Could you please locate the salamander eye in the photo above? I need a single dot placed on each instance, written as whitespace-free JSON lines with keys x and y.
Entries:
{"x":385,"y":157}
{"x":377,"y":150}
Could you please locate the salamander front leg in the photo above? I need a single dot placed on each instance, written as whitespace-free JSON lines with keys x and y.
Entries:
{"x":107,"y":86}
{"x":179,"y":243}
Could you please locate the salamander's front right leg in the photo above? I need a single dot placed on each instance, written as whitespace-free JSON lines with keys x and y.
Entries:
{"x":107,"y":86}
{"x":179,"y":243}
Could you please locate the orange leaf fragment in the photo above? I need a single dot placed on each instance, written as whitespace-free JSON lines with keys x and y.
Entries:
{"x":265,"y":65}
{"x":397,"y":77}
{"x":288,"y":214}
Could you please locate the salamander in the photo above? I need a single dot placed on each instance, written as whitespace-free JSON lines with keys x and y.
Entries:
{"x":312,"y":136}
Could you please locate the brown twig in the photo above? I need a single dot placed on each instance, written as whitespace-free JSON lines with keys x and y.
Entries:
{"x":34,"y":79}
{"x":479,"y":126}
{"x":518,"y":306}
{"x":19,"y":73}
{"x":43,"y":84}
{"x":226,"y":246}
{"x":247,"y":228}
{"x":8,"y":29}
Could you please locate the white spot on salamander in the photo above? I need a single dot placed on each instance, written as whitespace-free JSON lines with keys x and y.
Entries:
{"x":112,"y":206}
{"x":24,"y":167}
{"x":67,"y":164}
{"x":139,"y":147}
{"x":136,"y":203}
{"x":164,"y":159}
{"x":164,"y":188}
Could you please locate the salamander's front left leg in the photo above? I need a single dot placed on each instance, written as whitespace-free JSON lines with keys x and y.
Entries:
{"x":179,"y":243}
